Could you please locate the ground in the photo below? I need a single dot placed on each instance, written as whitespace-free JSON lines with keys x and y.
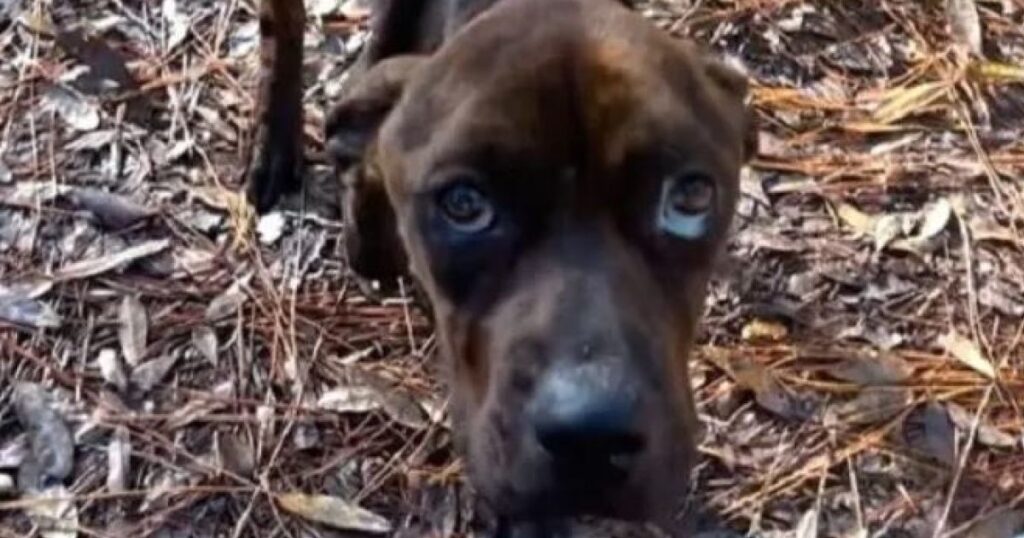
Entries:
{"x":171,"y":367}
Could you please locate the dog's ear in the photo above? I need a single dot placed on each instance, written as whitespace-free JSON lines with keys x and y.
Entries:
{"x":732,"y":78}
{"x":372,"y":242}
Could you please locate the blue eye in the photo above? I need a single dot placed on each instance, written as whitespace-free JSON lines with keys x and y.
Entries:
{"x":466,"y":208}
{"x":686,"y":205}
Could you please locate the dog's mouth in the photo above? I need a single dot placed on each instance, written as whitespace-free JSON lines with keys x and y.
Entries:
{"x":579,"y":527}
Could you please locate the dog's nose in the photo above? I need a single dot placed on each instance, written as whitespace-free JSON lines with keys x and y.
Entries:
{"x":586,"y":415}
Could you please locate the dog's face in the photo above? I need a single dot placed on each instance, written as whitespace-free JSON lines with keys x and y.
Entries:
{"x":562,"y":176}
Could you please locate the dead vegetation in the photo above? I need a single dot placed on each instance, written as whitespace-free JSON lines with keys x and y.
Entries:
{"x":168,"y":367}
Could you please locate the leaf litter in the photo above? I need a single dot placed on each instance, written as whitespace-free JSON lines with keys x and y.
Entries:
{"x":880,"y":231}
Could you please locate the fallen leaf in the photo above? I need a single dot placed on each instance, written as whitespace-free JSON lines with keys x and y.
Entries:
{"x":354,"y":399}
{"x":111,"y":369}
{"x":965,"y":351}
{"x":902,"y":102}
{"x":228,"y":302}
{"x":14,"y":453}
{"x":119,"y":451}
{"x":6,"y":485}
{"x":51,"y":449}
{"x":936,"y":219}
{"x":999,"y":524}
{"x":965,"y":23}
{"x":808,"y":525}
{"x":28,"y":312}
{"x":857,"y":220}
{"x":178,"y":23}
{"x":98,"y":266}
{"x":333,"y":512}
{"x":79,"y":113}
{"x":205,"y":341}
{"x":871,"y":406}
{"x":235,"y":455}
{"x":133,"y":330}
{"x":929,"y":430}
{"x":112,"y":211}
{"x":987,"y":434}
{"x":759,"y":330}
{"x":146,"y":375}
{"x":884,"y":369}
{"x":107,"y":71}
{"x":54,"y":511}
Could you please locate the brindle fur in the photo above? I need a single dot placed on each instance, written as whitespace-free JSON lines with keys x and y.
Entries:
{"x":571,"y":111}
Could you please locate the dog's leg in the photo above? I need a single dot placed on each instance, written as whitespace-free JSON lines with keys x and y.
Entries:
{"x":275,"y":161}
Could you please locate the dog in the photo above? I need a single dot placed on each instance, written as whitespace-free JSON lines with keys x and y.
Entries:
{"x":558,"y":177}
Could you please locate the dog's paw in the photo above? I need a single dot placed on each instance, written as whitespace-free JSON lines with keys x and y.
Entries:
{"x":275,"y":170}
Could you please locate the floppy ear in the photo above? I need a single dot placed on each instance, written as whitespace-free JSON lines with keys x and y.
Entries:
{"x":372,"y":242}
{"x":733,"y":80}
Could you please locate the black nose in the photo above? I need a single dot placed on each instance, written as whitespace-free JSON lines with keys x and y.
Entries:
{"x":586,"y":415}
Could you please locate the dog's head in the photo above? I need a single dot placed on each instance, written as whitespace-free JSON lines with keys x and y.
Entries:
{"x":561,"y":176}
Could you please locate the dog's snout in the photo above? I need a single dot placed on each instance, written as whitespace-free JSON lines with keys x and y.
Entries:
{"x":587,"y":415}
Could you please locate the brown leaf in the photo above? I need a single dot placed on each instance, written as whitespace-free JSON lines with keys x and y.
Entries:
{"x":965,"y":23}
{"x":119,"y":452}
{"x":51,"y":447}
{"x":885,"y":369}
{"x":860,"y":222}
{"x":133,"y":330}
{"x":54,"y":511}
{"x":98,"y":266}
{"x":964,"y":350}
{"x":930,"y":431}
{"x":27,"y":312}
{"x":111,"y":369}
{"x":871,"y":406}
{"x":112,"y":211}
{"x":999,"y":524}
{"x":759,"y":330}
{"x":988,"y":434}
{"x":235,"y":455}
{"x":205,"y":341}
{"x":148,"y":374}
{"x":228,"y":302}
{"x":333,"y":512}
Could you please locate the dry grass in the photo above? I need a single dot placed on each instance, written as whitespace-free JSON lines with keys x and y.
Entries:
{"x":861,"y":372}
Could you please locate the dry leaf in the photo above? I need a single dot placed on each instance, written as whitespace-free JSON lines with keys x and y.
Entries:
{"x":999,"y":524}
{"x":808,"y":525}
{"x":871,"y":406}
{"x":235,"y":455}
{"x":205,"y":341}
{"x":885,"y":369}
{"x":936,"y":218}
{"x":28,"y":312}
{"x":965,"y":23}
{"x":333,"y":512}
{"x":759,"y":330}
{"x":133,"y":330}
{"x":119,"y":452}
{"x":112,"y":211}
{"x":270,"y":227}
{"x":902,"y":102}
{"x":994,"y":72}
{"x":14,"y":453}
{"x":98,"y":266}
{"x":54,"y":512}
{"x":355,"y":399}
{"x":987,"y":434}
{"x":111,"y":369}
{"x":6,"y":485}
{"x":146,"y":375}
{"x":227,"y":303}
{"x":860,"y":222}
{"x":74,"y":109}
{"x":929,"y":430}
{"x":51,"y":449}
{"x":965,"y":351}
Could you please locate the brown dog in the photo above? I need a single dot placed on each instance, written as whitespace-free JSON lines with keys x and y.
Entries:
{"x":558,"y":176}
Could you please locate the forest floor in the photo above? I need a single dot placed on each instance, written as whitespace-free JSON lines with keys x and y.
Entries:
{"x":177,"y":368}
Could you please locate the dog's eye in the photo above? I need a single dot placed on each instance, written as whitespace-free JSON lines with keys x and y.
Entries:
{"x":466,"y":208}
{"x":686,"y":203}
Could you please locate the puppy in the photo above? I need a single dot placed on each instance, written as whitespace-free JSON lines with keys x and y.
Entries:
{"x":558,"y":176}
